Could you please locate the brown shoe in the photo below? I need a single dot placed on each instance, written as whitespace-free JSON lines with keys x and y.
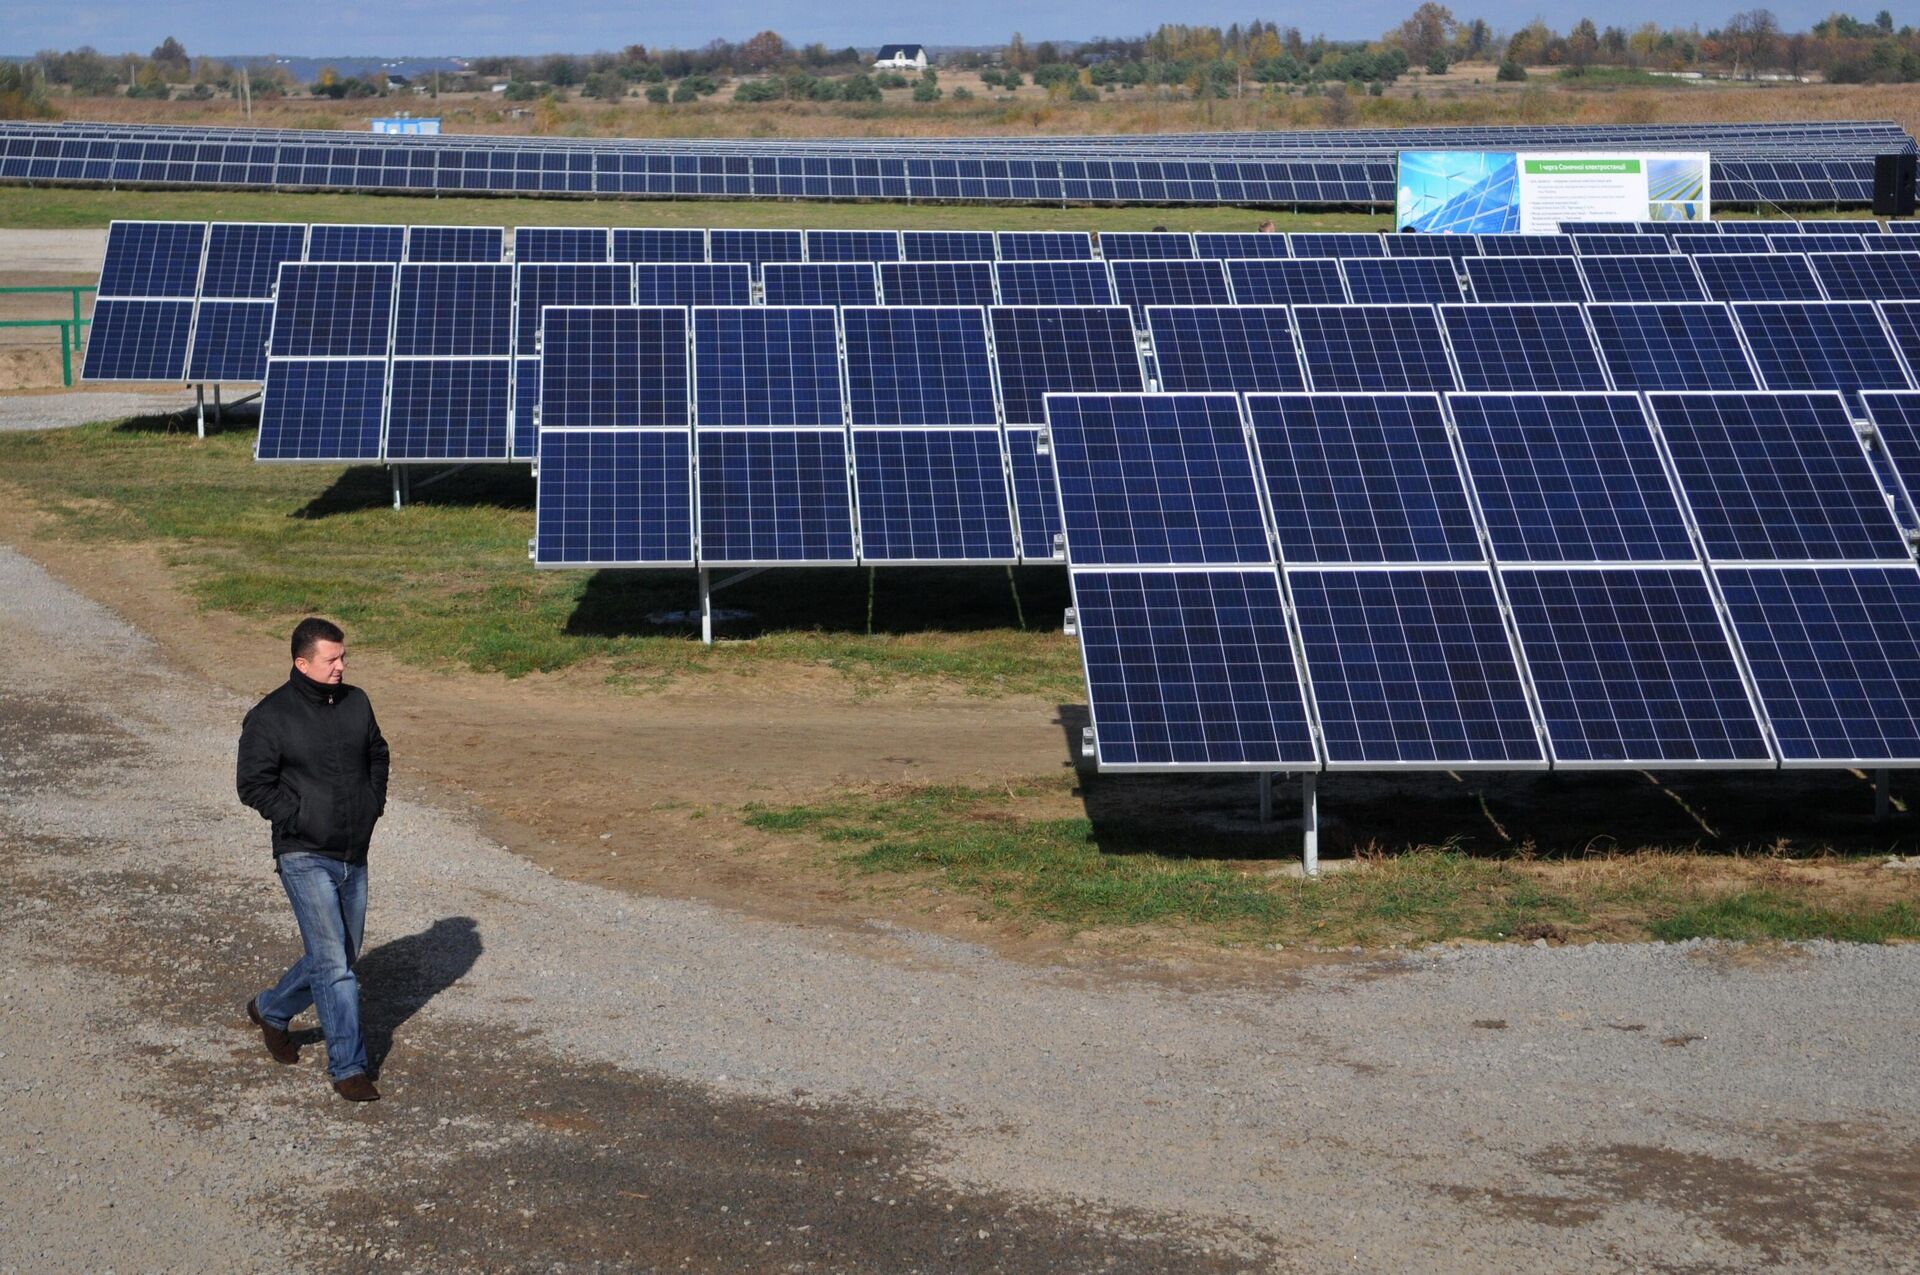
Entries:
{"x":279,"y":1042}
{"x":357,"y":1089}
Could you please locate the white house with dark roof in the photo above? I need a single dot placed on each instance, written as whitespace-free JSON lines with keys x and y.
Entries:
{"x":901,"y":57}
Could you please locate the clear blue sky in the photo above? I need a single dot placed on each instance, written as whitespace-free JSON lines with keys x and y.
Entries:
{"x":340,"y":27}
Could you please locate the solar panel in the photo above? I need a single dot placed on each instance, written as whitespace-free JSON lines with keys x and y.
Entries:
{"x":336,"y":311}
{"x":1631,"y":667}
{"x":1451,"y":246}
{"x":691,"y":283}
{"x":660,"y":246}
{"x":1036,"y":498}
{"x":766,"y":367}
{"x":452,"y":410}
{"x":1570,"y":478}
{"x":243,"y":258}
{"x":1816,"y":245}
{"x":1526,"y":245}
{"x":1830,"y":345}
{"x":773,"y":496}
{"x":1339,"y":244}
{"x":614,"y":366}
{"x":1362,"y":478}
{"x":1043,"y":245}
{"x":1523,"y":347}
{"x":330,"y":242}
{"x":1190,"y":668}
{"x":1054,"y":283}
{"x":1065,"y":349}
{"x":1721,"y":245}
{"x":1677,"y":346}
{"x":1838,"y":226}
{"x":541,"y":244}
{"x":936,"y":283}
{"x":1233,"y":245}
{"x":1758,"y":277}
{"x":1618,"y":245}
{"x":1139,"y":283}
{"x":820,"y":283}
{"x":1835,"y":655}
{"x":1767,"y":228}
{"x":322,"y":409}
{"x":1506,"y":279}
{"x":946,"y":245}
{"x":755,"y":246}
{"x":1778,"y":477}
{"x":152,"y":259}
{"x":479,"y":244}
{"x":1648,"y":278}
{"x":853,"y":245}
{"x":1283,"y":281}
{"x":1896,"y":421}
{"x":932,"y":495}
{"x":1394,"y":280}
{"x":1156,"y":480}
{"x":1868,"y":276}
{"x":538,"y":286}
{"x":919,"y":366}
{"x":1230,"y":348}
{"x":1903,"y":227}
{"x":1373,"y":348}
{"x":1130,"y":245}
{"x":614,"y":498}
{"x":454,"y":310}
{"x":229,"y":340}
{"x":1412,"y":668}
{"x":1903,"y":320}
{"x":138,"y":340}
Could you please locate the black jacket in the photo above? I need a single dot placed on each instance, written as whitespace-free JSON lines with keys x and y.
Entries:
{"x":314,"y":764}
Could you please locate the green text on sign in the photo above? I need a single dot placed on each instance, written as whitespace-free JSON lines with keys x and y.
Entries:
{"x":1562,"y":166}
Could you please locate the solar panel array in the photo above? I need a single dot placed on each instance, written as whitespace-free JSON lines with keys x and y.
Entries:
{"x":1791,"y":163}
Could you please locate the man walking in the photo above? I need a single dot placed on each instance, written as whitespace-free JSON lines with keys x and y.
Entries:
{"x":314,"y":765}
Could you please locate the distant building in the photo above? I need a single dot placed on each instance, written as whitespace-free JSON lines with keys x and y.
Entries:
{"x":901,"y":57}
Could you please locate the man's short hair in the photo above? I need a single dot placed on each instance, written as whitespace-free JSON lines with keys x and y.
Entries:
{"x":313,"y":630}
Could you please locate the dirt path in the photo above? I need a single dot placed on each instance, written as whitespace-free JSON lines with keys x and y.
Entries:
{"x":580,"y":1076}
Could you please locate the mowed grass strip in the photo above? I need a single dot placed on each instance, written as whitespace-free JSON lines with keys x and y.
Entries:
{"x":446,"y":581}
{"x":1025,"y":856}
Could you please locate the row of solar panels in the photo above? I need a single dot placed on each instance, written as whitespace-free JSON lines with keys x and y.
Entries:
{"x":1284,"y":582}
{"x":1840,"y":138}
{"x":999,"y":175}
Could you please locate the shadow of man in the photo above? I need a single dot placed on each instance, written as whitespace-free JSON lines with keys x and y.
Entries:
{"x":397,"y":979}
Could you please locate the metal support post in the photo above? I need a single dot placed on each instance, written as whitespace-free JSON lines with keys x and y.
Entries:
{"x":400,"y":484}
{"x":1882,"y":795}
{"x":706,"y":609}
{"x":200,"y":410}
{"x":1309,"y":825}
{"x":1266,"y":798}
{"x":217,"y":419}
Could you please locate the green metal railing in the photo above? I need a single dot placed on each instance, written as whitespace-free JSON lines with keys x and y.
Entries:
{"x":69,"y":328}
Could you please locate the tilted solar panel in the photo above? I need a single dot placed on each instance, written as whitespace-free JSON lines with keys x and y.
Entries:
{"x":946,"y":245}
{"x":1838,"y":226}
{"x":1156,"y":480}
{"x":1758,"y":277}
{"x":1632,"y":667}
{"x":614,"y":367}
{"x":322,"y":410}
{"x":832,"y":283}
{"x":1647,"y":278}
{"x":1224,"y":348}
{"x":1896,"y":422}
{"x":547,"y":284}
{"x":1523,"y":347}
{"x":476,"y":244}
{"x":138,"y":340}
{"x":1043,"y":245}
{"x":692,"y":283}
{"x":1054,"y":283}
{"x":540,"y":244}
{"x":327,"y":241}
{"x":1508,"y":279}
{"x":937,"y":283}
{"x":1777,"y":477}
{"x":1395,"y":280}
{"x":1903,"y":320}
{"x":1128,"y":245}
{"x":455,"y":310}
{"x":660,"y":246}
{"x":766,"y":367}
{"x":1065,"y":349}
{"x":1452,"y":247}
{"x":1671,"y":346}
{"x":614,"y":498}
{"x":1816,"y":245}
{"x":853,"y":245}
{"x":151,"y":259}
{"x":229,"y":340}
{"x":1412,"y":668}
{"x":449,"y":410}
{"x":1820,"y":345}
{"x":932,"y":495}
{"x":1527,"y":245}
{"x":918,"y":366}
{"x":329,"y":310}
{"x":1721,"y":245}
{"x":1141,"y":282}
{"x":774,"y":496}
{"x":1389,"y":349}
{"x":1570,"y":478}
{"x":1231,"y":245}
{"x":755,"y":246}
{"x":1339,"y":244}
{"x":243,"y":258}
{"x":1614,"y":245}
{"x":1868,"y":276}
{"x":1036,"y":497}
{"x":1362,"y":478}
{"x":1283,"y":281}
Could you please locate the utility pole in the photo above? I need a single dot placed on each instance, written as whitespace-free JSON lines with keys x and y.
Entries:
{"x":246,"y":93}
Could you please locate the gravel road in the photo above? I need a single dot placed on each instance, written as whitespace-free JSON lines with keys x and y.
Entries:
{"x":83,"y":407}
{"x":581,"y":1079}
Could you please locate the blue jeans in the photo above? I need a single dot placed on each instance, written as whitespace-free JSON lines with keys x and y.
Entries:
{"x":330,"y":902}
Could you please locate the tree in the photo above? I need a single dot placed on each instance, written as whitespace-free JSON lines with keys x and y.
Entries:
{"x":1436,"y":63}
{"x":927,"y":90}
{"x":1017,"y":55}
{"x":1582,"y":43}
{"x":1477,"y":39}
{"x":608,"y":86}
{"x":1431,"y":27}
{"x":859,"y":88}
{"x":657,"y":93}
{"x":170,"y":59}
{"x":1510,"y":72}
{"x":764,"y":51}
